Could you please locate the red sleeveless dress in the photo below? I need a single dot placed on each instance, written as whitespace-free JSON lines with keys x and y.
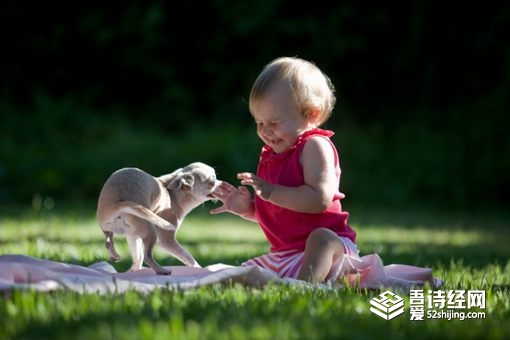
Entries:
{"x":287,"y":230}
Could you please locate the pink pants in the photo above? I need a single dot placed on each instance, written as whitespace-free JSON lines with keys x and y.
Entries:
{"x":288,"y":263}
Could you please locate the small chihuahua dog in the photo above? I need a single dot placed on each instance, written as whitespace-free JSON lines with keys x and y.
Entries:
{"x":148,"y":209}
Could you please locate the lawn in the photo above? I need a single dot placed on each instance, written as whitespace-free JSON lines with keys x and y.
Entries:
{"x":468,"y":250}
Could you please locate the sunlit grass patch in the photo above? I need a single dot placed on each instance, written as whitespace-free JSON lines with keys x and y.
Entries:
{"x":424,"y":235}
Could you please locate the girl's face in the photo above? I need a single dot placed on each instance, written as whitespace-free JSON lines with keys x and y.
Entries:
{"x":278,"y":120}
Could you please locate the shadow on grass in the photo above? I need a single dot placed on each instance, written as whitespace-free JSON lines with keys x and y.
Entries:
{"x":215,"y":313}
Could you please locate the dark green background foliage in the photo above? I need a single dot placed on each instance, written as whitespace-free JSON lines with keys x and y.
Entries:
{"x":422,"y":87}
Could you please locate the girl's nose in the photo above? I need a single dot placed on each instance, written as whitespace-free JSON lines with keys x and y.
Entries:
{"x":267,"y":131}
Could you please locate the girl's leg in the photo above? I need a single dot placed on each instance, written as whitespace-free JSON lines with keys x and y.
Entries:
{"x":322,"y":248}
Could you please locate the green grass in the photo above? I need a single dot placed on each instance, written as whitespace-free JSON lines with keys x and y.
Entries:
{"x":469,"y":251}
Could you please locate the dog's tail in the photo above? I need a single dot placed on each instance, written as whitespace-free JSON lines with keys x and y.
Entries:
{"x":140,"y":211}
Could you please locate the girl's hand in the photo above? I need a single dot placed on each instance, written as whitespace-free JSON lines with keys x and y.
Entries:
{"x":235,"y":200}
{"x":262,"y":188}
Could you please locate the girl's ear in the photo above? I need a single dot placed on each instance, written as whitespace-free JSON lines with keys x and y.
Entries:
{"x":313,"y":115}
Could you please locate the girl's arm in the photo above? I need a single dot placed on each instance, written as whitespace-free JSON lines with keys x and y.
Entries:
{"x":318,"y":161}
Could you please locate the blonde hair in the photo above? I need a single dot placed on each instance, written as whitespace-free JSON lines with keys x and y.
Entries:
{"x":311,"y":89}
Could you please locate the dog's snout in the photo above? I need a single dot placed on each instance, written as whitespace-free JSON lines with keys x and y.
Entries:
{"x":212,"y":185}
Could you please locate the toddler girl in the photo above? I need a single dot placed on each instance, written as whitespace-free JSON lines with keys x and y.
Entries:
{"x":297,"y":197}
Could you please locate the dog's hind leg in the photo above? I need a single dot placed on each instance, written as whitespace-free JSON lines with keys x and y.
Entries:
{"x":136,"y":248}
{"x":149,"y":242}
{"x":114,"y":256}
{"x":141,"y":247}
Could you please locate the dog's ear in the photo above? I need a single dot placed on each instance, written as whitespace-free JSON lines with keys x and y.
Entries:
{"x":186,"y":182}
{"x":179,"y":179}
{"x":171,"y":180}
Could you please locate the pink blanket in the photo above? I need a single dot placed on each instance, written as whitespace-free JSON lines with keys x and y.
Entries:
{"x":25,"y":272}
